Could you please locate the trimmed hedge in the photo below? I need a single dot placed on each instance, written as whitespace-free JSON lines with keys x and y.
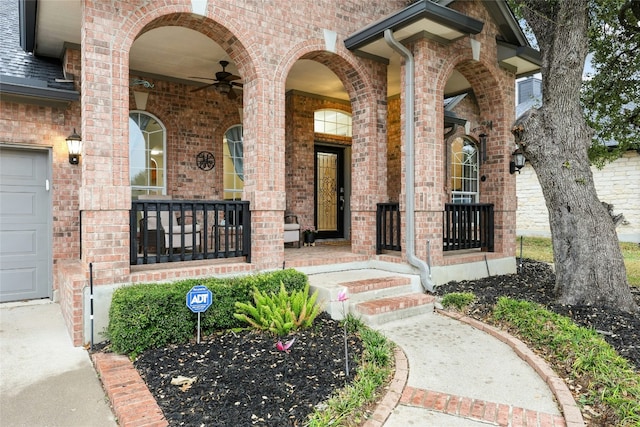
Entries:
{"x":152,"y":315}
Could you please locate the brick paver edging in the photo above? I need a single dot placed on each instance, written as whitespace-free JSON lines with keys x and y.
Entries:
{"x":477,"y":409}
{"x":568,"y":406}
{"x":132,"y":402}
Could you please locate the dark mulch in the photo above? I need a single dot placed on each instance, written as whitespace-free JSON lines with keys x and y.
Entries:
{"x":535,"y":283}
{"x":243,"y":380}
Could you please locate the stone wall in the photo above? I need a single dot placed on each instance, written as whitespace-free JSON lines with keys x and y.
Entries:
{"x":618,"y":184}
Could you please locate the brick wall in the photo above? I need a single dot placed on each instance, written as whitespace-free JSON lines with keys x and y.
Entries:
{"x":616,"y":184}
{"x":264,"y":40}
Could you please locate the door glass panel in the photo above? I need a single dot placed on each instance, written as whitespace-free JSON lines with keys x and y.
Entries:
{"x":327,"y":191}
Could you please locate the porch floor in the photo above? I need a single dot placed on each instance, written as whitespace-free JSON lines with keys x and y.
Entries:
{"x":325,"y":253}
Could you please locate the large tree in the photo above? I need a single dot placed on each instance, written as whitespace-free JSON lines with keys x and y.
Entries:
{"x":555,"y":139}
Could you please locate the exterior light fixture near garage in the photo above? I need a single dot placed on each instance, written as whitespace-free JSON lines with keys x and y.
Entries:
{"x":74,"y":144}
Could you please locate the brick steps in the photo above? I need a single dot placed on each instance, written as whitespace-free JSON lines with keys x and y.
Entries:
{"x":374,"y":297}
{"x":383,"y":310}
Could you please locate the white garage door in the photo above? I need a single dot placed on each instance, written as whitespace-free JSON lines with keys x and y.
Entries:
{"x":25,"y":217}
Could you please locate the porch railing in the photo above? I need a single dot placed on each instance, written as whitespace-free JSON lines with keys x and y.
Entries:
{"x":388,"y":227}
{"x":164,"y":231}
{"x":468,"y":226}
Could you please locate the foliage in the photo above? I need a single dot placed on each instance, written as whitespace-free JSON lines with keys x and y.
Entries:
{"x":310,"y":229}
{"x":612,"y":380}
{"x":611,"y":94}
{"x":152,"y":315}
{"x":459,"y":300}
{"x":347,"y":406}
{"x":281,"y":312}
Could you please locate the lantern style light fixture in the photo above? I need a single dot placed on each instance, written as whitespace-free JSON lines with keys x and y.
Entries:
{"x":517,"y":161}
{"x":74,"y":144}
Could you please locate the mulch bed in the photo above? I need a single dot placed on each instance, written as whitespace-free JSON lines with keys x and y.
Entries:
{"x":241,"y":379}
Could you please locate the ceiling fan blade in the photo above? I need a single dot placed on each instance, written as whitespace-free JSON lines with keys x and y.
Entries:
{"x":202,"y":87}
{"x":232,"y":94}
{"x":231,"y":78}
{"x":236,"y":84}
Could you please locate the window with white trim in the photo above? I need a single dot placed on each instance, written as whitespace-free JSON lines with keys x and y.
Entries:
{"x":147,"y":154}
{"x":464,"y":171}
{"x":334,"y":122}
{"x":233,"y":163}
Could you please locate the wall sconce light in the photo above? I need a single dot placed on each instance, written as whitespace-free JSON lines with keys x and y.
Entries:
{"x":74,"y":144}
{"x":483,"y":147}
{"x":485,"y":126}
{"x":517,"y":161}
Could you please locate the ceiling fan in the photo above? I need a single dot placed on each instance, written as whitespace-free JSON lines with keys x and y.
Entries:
{"x":224,"y":81}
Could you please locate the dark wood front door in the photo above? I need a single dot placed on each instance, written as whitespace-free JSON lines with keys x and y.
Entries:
{"x":329,"y":192}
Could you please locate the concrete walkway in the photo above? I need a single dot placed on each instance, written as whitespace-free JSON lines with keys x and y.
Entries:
{"x":44,"y":379}
{"x":461,"y":376}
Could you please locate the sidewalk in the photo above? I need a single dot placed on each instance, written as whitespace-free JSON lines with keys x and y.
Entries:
{"x":44,"y":379}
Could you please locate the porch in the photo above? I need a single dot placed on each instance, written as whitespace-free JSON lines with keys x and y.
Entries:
{"x":169,"y":231}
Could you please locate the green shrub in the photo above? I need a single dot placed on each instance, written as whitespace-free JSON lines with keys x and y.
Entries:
{"x":459,"y":300}
{"x":152,"y":315}
{"x":612,"y":380}
{"x":279,"y":312}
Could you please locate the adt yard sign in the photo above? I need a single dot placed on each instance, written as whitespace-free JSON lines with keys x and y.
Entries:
{"x":199,"y":299}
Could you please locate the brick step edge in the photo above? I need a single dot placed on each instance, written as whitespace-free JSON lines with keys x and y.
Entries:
{"x":390,"y":304}
{"x":132,"y":402}
{"x":374,"y":284}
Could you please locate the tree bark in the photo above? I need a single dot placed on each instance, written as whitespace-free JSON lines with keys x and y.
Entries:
{"x":555,"y":138}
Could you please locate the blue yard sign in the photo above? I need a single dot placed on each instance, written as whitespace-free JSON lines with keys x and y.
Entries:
{"x":198,"y":300}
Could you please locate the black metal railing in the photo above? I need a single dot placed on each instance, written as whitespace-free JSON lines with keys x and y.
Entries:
{"x":185,"y":230}
{"x":468,"y":226}
{"x":388,"y":227}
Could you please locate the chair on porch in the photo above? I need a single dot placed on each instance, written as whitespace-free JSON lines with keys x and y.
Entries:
{"x":170,"y":224}
{"x":291,"y":229}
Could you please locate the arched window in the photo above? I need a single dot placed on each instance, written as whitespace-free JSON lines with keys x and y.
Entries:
{"x":333,"y":122}
{"x":147,"y":154}
{"x":233,"y":163}
{"x":464,"y":171}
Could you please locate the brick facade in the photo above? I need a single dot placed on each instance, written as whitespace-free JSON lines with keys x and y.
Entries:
{"x":264,"y":43}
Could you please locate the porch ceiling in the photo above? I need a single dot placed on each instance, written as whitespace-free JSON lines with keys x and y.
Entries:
{"x":177,"y":54}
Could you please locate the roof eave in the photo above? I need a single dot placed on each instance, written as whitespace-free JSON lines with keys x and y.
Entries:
{"x":35,"y":95}
{"x":423,"y":9}
{"x":530,"y":58}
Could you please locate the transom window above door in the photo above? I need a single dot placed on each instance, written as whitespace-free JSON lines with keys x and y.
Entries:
{"x":333,"y":122}
{"x":464,"y":170}
{"x":147,"y":154}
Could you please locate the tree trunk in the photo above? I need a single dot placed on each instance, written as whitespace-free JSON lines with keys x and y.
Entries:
{"x":588,"y":260}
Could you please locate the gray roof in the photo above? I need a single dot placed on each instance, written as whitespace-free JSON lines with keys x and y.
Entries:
{"x":23,"y":74}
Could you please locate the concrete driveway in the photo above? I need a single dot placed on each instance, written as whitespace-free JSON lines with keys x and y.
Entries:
{"x":44,"y":379}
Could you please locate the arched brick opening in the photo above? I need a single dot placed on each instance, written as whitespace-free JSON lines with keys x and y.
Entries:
{"x":367,"y":107}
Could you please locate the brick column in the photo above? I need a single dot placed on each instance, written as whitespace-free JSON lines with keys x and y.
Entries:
{"x":264,"y":148}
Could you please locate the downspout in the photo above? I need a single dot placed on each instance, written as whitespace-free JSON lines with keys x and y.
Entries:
{"x":409,"y":101}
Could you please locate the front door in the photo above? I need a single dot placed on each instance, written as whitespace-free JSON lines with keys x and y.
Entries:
{"x":25,"y":215}
{"x":329,"y":192}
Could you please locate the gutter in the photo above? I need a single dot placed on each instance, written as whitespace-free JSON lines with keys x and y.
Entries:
{"x":409,"y":102}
